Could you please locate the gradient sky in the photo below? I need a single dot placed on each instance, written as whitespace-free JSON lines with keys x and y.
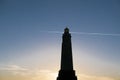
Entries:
{"x":29,"y":51}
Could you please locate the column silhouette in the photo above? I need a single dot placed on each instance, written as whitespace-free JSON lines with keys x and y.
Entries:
{"x":66,"y":70}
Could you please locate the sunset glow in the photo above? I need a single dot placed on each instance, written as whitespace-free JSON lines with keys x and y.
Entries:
{"x":31,"y":38}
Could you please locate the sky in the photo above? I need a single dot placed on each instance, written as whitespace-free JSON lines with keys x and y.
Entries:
{"x":31,"y":37}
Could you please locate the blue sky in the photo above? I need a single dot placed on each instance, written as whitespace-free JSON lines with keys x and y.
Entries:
{"x":25,"y":39}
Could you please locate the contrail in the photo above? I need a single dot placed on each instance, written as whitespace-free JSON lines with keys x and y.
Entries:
{"x":83,"y":33}
{"x":101,"y":34}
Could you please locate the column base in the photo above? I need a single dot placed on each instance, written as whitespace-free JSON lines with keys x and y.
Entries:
{"x":66,"y":75}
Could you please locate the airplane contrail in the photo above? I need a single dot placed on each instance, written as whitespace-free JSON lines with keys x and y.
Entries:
{"x":101,"y":34}
{"x":84,"y":33}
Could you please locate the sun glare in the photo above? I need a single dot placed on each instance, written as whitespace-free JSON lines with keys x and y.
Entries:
{"x":45,"y":75}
